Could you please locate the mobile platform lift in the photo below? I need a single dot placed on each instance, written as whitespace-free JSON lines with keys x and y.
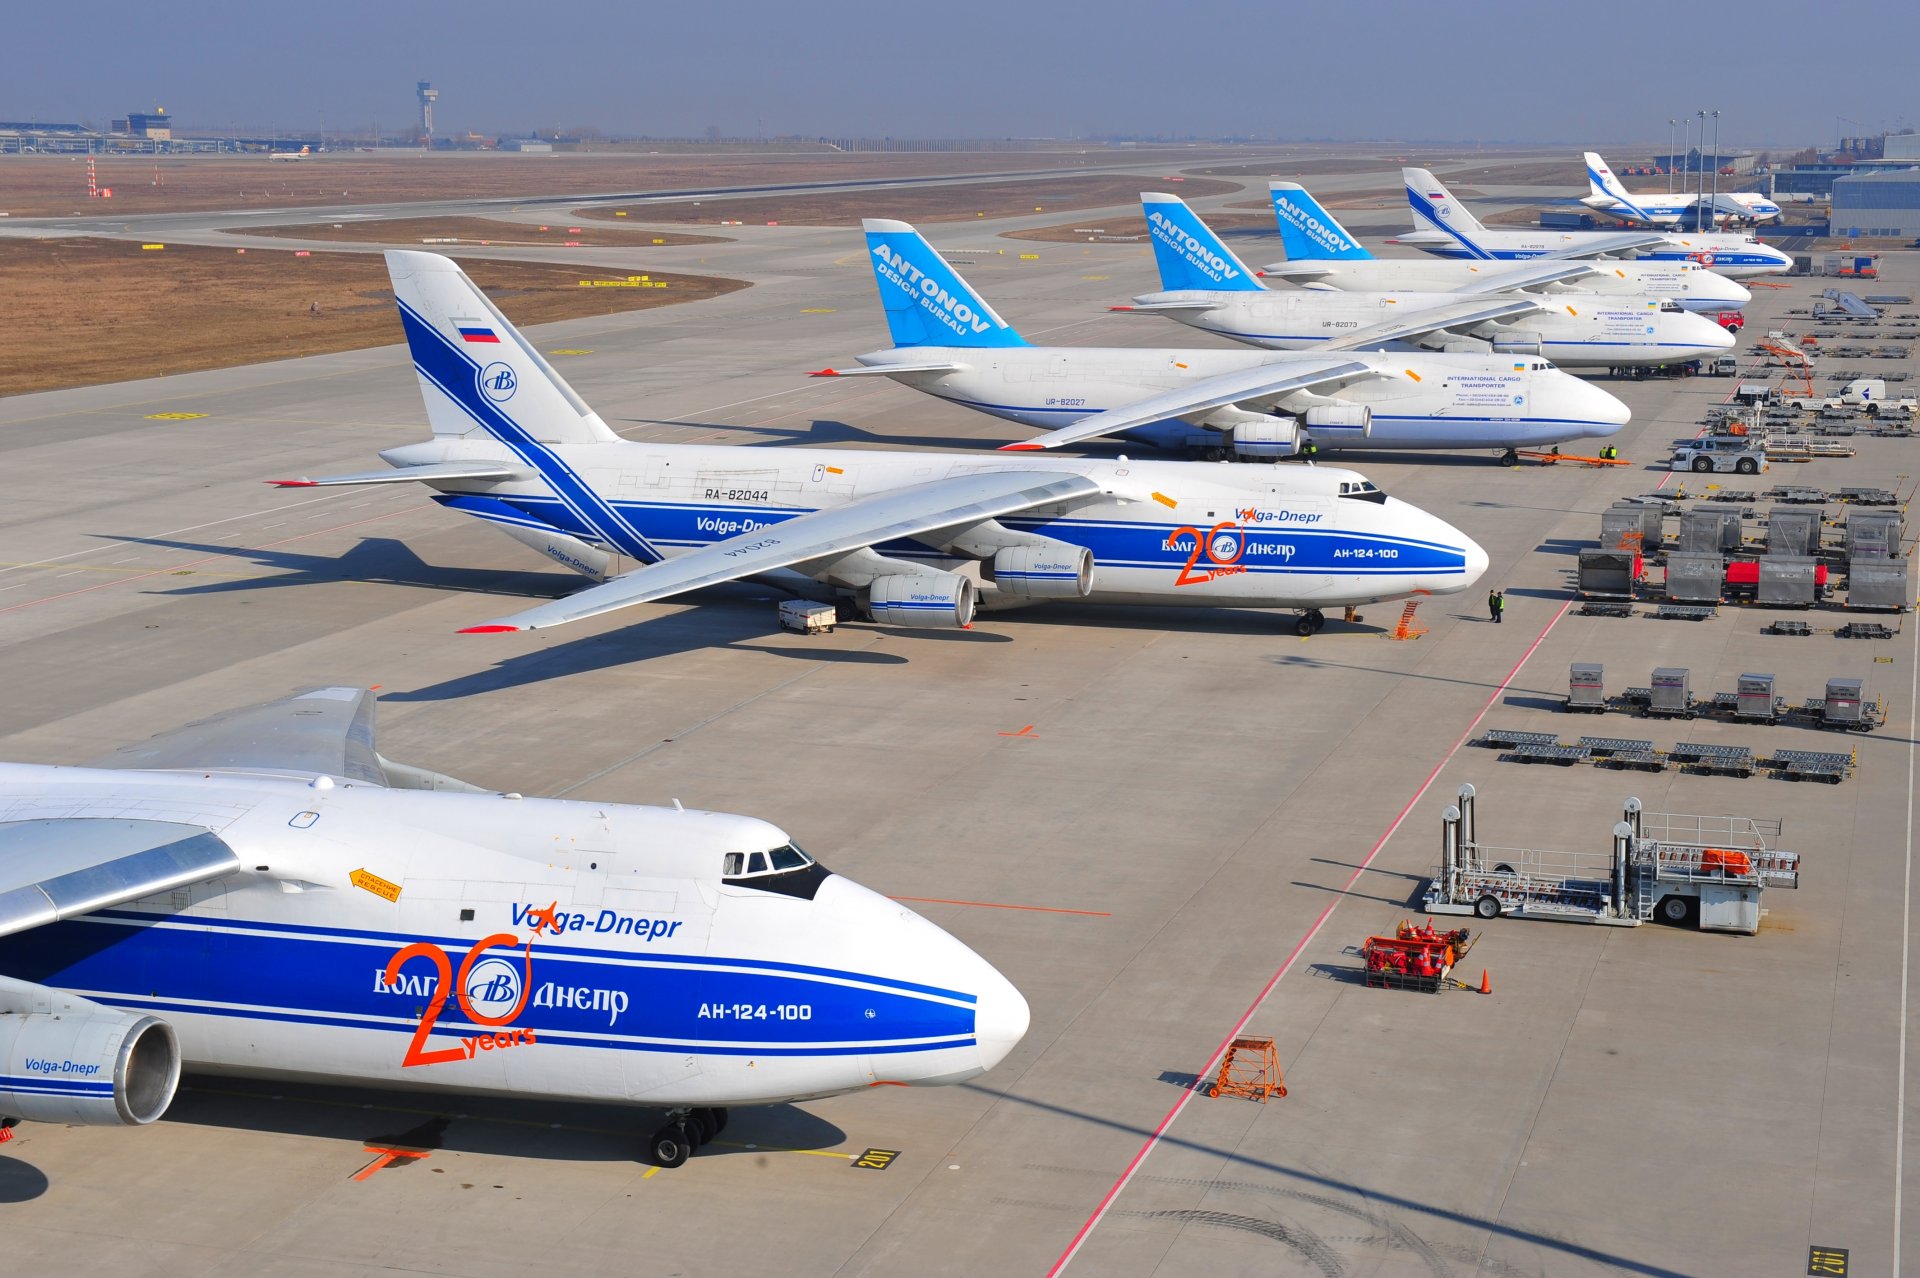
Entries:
{"x":1707,"y":871}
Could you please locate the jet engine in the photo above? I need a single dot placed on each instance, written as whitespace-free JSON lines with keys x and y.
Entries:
{"x":1339,"y":421}
{"x":1047,"y":570}
{"x":925,"y":600}
{"x":66,"y":1060}
{"x":1266,"y":438}
{"x":1516,"y":342}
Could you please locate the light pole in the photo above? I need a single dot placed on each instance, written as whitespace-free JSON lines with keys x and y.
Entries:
{"x":1670,"y":137}
{"x":1699,"y":173}
{"x":1716,"y":168}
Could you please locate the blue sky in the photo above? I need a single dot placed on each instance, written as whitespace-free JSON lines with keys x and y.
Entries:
{"x":1455,"y":71}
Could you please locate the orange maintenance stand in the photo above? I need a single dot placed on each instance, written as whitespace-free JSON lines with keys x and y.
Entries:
{"x":1251,"y":1068}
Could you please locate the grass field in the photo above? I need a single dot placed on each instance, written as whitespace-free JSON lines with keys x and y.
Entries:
{"x":85,"y":311}
{"x":56,"y":185}
{"x":415,"y":231}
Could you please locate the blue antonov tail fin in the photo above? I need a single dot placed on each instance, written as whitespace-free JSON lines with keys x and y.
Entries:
{"x":1190,"y":255}
{"x":1310,"y":233}
{"x":926,"y":301}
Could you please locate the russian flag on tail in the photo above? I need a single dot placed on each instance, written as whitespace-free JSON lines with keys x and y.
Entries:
{"x":475,"y":331}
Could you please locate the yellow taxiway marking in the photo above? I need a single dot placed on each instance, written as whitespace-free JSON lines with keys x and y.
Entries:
{"x":569,"y":351}
{"x":174,"y":417}
{"x":650,"y":1173}
{"x":816,"y":310}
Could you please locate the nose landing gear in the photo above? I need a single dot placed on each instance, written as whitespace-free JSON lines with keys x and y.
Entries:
{"x":1309,"y":622}
{"x":1510,"y":458}
{"x":684,"y":1132}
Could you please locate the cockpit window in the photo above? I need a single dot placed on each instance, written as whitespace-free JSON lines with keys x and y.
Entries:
{"x":781,"y":871}
{"x":787,"y":856}
{"x":1670,"y":308}
{"x":1362,"y":490}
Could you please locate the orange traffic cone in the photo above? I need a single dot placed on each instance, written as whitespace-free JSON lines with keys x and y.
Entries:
{"x":1486,"y":986}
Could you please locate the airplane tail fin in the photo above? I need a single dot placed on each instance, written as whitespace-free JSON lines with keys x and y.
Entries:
{"x":1189,"y":254}
{"x":1435,"y":209}
{"x":1602,"y":182}
{"x":478,"y":375}
{"x":926,"y":301}
{"x":1309,"y":232}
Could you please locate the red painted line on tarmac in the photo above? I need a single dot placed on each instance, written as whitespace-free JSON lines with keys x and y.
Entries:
{"x":997,"y":905}
{"x":1159,"y":1133}
{"x":224,"y":554}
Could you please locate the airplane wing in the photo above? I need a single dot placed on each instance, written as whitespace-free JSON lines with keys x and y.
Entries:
{"x":1149,"y":308}
{"x":1297,"y":270}
{"x":817,"y":535}
{"x":1531,"y":273}
{"x":1433,"y":320}
{"x":414,"y":474}
{"x":1603,"y":245}
{"x":1261,"y":382}
{"x":888,"y":370}
{"x":59,"y":868}
{"x":325,"y":732}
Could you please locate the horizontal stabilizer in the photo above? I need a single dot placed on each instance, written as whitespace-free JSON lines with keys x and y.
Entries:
{"x":414,"y":474}
{"x":888,"y":370}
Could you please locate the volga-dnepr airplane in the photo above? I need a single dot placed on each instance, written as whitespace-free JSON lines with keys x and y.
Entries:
{"x":916,"y":539}
{"x":1321,"y":253}
{"x":948,"y":342}
{"x":263,"y":894}
{"x":1205,"y":286}
{"x":1443,"y":226}
{"x":1605,"y":194}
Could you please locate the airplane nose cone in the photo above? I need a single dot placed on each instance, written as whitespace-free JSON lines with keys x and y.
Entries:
{"x":1604,"y":413}
{"x":1732,"y":292}
{"x":1476,"y":563}
{"x":1000,"y":1019}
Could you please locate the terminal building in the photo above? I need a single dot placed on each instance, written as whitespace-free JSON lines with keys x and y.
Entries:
{"x":1883,"y":204}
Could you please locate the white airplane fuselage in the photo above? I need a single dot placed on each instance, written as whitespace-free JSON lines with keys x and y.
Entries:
{"x":1236,"y":535}
{"x":1690,"y":285}
{"x":1575,"y":329}
{"x":594,"y":952}
{"x":1735,"y":256}
{"x":1450,"y":401}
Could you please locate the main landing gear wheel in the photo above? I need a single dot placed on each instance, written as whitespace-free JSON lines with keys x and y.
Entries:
{"x":1309,"y":622}
{"x":1510,"y":458}
{"x":706,"y":1124}
{"x":672,"y":1145}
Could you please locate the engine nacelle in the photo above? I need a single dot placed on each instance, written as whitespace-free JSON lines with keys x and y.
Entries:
{"x":1053,"y":570}
{"x":1332,"y":423}
{"x":925,"y":600}
{"x":1266,"y":438}
{"x":1516,"y":342}
{"x":66,"y":1060}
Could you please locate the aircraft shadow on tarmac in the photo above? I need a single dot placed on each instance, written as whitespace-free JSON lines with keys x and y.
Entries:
{"x":826,"y":431}
{"x":513,"y":1127}
{"x":1387,"y":1213}
{"x":377,"y":560}
{"x":21,"y":1182}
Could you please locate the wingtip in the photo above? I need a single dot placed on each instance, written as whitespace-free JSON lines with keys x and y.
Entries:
{"x":1022,"y":448}
{"x":824,"y":372}
{"x":292,"y":483}
{"x":1119,"y":308}
{"x":490,"y":630}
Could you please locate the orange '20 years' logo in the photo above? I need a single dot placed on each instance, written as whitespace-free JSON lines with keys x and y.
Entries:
{"x":490,"y":991}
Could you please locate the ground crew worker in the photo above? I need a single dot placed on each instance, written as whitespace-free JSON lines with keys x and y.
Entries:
{"x":1496,"y":605}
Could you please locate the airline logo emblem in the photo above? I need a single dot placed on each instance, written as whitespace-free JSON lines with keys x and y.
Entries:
{"x":1313,"y":228}
{"x":498,"y":383}
{"x":1190,"y":247}
{"x":493,"y":987}
{"x":956,"y":313}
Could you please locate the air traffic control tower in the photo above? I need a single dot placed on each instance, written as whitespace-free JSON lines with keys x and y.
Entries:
{"x":428,"y":95}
